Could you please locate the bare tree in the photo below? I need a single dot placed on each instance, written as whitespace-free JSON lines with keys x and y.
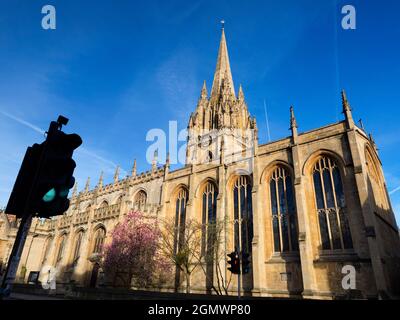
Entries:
{"x":211,"y":256}
{"x":182,"y":245}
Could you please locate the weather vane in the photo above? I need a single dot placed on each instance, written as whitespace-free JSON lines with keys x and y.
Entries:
{"x":223,"y":23}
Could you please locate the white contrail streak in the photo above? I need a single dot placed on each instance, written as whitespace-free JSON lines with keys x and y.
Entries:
{"x":395,"y":190}
{"x":267,"y":121}
{"x":81,"y":149}
{"x":21,"y":121}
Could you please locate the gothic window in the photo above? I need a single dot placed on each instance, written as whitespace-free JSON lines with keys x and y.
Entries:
{"x":331,"y":207}
{"x":104,"y":204}
{"x":78,"y":243}
{"x":47,"y":248}
{"x":243,"y":214}
{"x":375,"y":184}
{"x":99,"y":238}
{"x":61,"y":247}
{"x":180,"y":217}
{"x":209,"y":215}
{"x":283,"y":207}
{"x":140,"y":199}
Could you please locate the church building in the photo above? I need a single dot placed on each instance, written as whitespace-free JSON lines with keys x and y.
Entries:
{"x":307,"y":208}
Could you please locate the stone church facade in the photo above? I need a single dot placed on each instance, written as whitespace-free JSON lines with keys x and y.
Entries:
{"x":303,"y":207}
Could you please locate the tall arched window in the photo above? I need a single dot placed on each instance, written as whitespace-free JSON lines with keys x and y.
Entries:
{"x":180,"y":217}
{"x":283,"y":209}
{"x":331,"y":206}
{"x":61,"y":248}
{"x":47,"y":248}
{"x":375,"y":183}
{"x":99,"y":238}
{"x":78,"y":243}
{"x":209,"y":215}
{"x":243,"y":214}
{"x":104,"y":204}
{"x":140,"y":199}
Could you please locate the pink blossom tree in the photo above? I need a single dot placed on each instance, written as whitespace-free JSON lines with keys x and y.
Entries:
{"x":133,"y":251}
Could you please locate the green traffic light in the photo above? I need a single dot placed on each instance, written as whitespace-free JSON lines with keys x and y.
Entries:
{"x":64,"y":192}
{"x":50,"y":195}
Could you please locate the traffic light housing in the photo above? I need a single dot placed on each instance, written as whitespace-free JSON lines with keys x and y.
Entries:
{"x":245,"y":263}
{"x":17,"y":203}
{"x":46,"y":175}
{"x":234,"y":262}
{"x":56,"y":173}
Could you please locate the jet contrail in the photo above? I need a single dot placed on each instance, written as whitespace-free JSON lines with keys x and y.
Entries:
{"x":267,"y":121}
{"x":21,"y":121}
{"x":41,"y":131}
{"x":395,"y":190}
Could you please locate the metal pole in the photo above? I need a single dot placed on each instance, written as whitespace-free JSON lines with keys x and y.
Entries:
{"x":239,"y":285}
{"x":15,"y":257}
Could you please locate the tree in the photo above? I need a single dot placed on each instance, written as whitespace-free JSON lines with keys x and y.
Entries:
{"x":182,"y":246}
{"x":212,"y":255}
{"x":133,"y":251}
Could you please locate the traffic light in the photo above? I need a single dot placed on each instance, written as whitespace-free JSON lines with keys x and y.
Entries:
{"x":18,"y":201}
{"x":245,"y":263}
{"x":56,"y":172}
{"x":46,"y":175}
{"x":234,"y":262}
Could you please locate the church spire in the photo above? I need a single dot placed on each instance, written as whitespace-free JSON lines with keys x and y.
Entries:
{"x":100,"y":183}
{"x":293,"y":125}
{"x":154,"y":161}
{"x":87,"y":186}
{"x":223,"y":74}
{"x":241,"y":94}
{"x":347,"y":111}
{"x":204,"y":92}
{"x":116,"y":174}
{"x":134,"y":168}
{"x":75,"y":189}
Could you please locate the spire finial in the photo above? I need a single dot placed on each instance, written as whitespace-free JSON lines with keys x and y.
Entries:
{"x":347,"y":111}
{"x":204,"y":92}
{"x":240,"y":94}
{"x":293,"y":122}
{"x":154,"y":162}
{"x":293,"y":125}
{"x":167,"y":161}
{"x":116,"y":174}
{"x":222,"y":24}
{"x":345,"y":102}
{"x":134,"y":168}
{"x":100,"y":184}
{"x":87,"y":184}
{"x":75,"y":189}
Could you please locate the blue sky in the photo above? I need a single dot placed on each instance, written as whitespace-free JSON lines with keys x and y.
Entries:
{"x":119,"y":69}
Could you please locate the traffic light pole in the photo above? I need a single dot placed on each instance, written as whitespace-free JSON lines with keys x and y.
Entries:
{"x":15,"y":257}
{"x":239,"y":276}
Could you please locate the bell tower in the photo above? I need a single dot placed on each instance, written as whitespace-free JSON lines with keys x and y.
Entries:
{"x":221,"y":121}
